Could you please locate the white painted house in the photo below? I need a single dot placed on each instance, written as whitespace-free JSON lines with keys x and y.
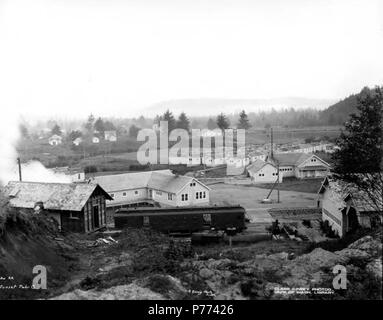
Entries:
{"x":263,"y":172}
{"x":300,"y":165}
{"x":110,"y":135}
{"x":77,"y":141}
{"x":342,"y":203}
{"x":55,"y":140}
{"x":161,"y":187}
{"x":95,"y":139}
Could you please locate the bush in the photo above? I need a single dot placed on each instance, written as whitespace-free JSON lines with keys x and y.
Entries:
{"x":327,"y":230}
{"x":139,"y":167}
{"x":159,"y":283}
{"x":340,"y":243}
{"x":155,"y":252}
{"x":90,"y":169}
{"x":307,"y":223}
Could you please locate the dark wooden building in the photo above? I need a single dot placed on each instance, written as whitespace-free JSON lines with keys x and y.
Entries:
{"x":77,"y":207}
{"x":185,"y":219}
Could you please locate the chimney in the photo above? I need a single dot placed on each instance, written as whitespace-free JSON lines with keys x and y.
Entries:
{"x":19,"y":164}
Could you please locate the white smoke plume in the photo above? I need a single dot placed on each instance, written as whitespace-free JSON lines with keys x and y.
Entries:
{"x":34,"y":171}
{"x":31,"y":171}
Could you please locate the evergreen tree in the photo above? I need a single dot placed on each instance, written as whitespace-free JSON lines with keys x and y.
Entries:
{"x":183,"y":122}
{"x":222,"y":122}
{"x":133,"y":131}
{"x":109,"y":126}
{"x":168,"y":116}
{"x":89,"y":124}
{"x":56,"y":130}
{"x":243,"y":122}
{"x":74,"y":134}
{"x":99,"y":126}
{"x":359,"y":159}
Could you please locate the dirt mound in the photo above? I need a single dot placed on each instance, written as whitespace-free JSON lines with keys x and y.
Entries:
{"x":124,"y":292}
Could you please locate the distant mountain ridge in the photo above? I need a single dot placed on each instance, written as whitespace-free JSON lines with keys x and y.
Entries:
{"x":213,"y":106}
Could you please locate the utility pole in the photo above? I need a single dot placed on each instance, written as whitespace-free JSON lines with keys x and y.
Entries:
{"x":278,"y":180}
{"x":19,"y":164}
{"x":271,"y":143}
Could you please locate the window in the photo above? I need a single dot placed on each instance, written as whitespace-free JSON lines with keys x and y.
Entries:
{"x":204,"y":194}
{"x":124,"y":194}
{"x":200,"y":194}
{"x":170,"y":196}
{"x":112,"y":195}
{"x":79,"y":176}
{"x":196,"y":195}
{"x":184,"y":197}
{"x":73,"y":216}
{"x":135,"y":192}
{"x":146,"y":221}
{"x":207,"y":218}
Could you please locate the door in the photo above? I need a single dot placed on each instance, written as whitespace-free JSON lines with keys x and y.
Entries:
{"x":96,"y":218}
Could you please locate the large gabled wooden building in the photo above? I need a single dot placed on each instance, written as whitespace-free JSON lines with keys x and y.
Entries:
{"x":77,"y":207}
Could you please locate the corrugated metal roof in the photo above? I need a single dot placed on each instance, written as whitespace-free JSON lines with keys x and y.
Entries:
{"x":55,"y":196}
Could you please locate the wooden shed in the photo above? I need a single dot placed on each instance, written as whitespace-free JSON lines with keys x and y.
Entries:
{"x":77,"y":207}
{"x":344,"y":206}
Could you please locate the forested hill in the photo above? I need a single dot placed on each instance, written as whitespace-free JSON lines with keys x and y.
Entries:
{"x":339,"y":112}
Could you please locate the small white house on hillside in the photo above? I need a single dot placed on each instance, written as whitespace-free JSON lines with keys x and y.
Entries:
{"x":95,"y":139}
{"x":55,"y":140}
{"x":110,"y":135}
{"x":77,"y":141}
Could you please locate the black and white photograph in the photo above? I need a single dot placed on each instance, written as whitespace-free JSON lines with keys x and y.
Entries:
{"x":197,"y":152}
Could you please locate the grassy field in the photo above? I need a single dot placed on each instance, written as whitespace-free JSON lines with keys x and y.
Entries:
{"x":288,"y":135}
{"x":304,"y":185}
{"x":117,"y":154}
{"x":250,"y":197}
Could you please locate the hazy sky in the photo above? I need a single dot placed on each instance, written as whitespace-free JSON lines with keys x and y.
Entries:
{"x":117,"y":57}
